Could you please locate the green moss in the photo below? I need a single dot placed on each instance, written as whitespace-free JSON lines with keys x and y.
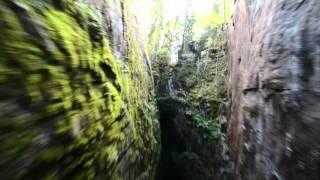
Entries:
{"x":77,"y":110}
{"x":52,"y":154}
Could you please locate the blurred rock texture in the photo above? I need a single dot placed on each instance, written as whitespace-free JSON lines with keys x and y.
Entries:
{"x":76,"y":92}
{"x":274,"y":87}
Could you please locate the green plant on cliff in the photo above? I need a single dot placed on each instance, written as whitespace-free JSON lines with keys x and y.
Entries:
{"x":209,"y":128}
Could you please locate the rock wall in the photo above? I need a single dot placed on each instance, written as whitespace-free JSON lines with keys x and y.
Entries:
{"x":113,"y":12}
{"x":71,"y":106}
{"x":274,"y":78}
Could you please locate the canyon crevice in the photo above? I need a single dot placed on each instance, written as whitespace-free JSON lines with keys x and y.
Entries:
{"x":88,"y":92}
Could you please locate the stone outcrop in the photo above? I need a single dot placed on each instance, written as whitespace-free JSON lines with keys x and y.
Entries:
{"x":76,"y":94}
{"x":274,"y":78}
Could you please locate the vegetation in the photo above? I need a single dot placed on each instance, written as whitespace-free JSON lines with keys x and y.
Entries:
{"x":72,"y":108}
{"x":189,"y":64}
{"x":69,"y":108}
{"x":197,"y":77}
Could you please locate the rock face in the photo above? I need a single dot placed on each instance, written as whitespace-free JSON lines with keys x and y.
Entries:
{"x":113,"y":12}
{"x":274,"y":70}
{"x":71,"y":106}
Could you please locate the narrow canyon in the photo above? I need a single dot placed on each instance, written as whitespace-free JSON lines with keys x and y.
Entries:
{"x":160,"y":89}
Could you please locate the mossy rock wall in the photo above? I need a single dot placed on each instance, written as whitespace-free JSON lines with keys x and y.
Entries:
{"x":69,"y":108}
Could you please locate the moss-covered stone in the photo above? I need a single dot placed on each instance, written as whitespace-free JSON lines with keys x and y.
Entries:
{"x":69,"y":108}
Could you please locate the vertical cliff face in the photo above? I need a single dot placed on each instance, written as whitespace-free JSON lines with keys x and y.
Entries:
{"x":274,"y":71}
{"x":114,"y":15}
{"x":76,"y":94}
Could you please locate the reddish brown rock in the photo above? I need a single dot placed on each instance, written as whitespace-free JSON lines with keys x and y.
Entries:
{"x":274,"y":88}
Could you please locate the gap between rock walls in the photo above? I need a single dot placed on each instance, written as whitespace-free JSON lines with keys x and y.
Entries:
{"x":159,"y":89}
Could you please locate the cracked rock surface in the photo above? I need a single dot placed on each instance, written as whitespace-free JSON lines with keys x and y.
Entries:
{"x":274,"y":77}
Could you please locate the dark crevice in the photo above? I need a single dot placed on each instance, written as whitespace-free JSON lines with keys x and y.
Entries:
{"x":171,"y":144}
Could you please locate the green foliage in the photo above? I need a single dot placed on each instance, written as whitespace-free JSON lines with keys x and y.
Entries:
{"x":208,"y":128}
{"x":199,"y":78}
{"x":220,"y":14}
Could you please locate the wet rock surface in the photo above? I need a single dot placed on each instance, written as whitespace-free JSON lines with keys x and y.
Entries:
{"x":274,"y":77}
